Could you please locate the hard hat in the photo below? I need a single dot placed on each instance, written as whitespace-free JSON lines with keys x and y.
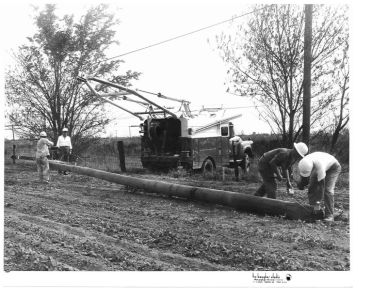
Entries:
{"x":43,"y":134}
{"x":305,"y":167}
{"x":301,"y":148}
{"x":65,"y":130}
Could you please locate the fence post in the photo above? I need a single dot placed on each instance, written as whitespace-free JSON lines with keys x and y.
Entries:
{"x":234,"y":161}
{"x":13,"y":153}
{"x":120,"y":147}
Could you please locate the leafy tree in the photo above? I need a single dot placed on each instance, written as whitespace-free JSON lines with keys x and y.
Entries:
{"x":265,"y":60}
{"x":42,"y":90}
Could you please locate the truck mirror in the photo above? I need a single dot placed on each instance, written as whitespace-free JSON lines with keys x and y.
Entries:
{"x":224,"y":131}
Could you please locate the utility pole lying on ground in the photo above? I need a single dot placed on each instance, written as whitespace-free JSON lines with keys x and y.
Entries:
{"x":307,"y":73}
{"x":240,"y":201}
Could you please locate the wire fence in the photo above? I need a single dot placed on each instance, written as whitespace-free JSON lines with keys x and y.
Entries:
{"x":108,"y":162}
{"x":106,"y":158}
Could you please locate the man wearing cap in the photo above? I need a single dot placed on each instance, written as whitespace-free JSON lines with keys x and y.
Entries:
{"x":64,"y":145}
{"x":320,"y":171}
{"x":42,"y":152}
{"x":270,"y":163}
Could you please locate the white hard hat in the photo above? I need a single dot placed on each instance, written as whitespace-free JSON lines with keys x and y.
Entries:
{"x":43,"y":134}
{"x":65,"y":129}
{"x":301,"y":148}
{"x":305,"y":167}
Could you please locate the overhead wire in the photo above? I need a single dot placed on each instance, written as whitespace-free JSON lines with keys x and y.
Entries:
{"x":176,"y":37}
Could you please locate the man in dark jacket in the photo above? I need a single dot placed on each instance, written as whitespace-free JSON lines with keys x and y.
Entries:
{"x":270,"y":163}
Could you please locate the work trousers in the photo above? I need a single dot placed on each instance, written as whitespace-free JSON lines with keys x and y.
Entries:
{"x":64,"y":153}
{"x":43,"y":168}
{"x":314,"y":192}
{"x":269,"y":186}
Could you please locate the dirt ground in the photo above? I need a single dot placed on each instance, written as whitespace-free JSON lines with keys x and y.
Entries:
{"x":82,"y":223}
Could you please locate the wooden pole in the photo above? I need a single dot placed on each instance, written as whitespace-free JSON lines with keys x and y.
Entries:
{"x":13,"y":153}
{"x":13,"y":146}
{"x":307,"y":73}
{"x":120,"y":147}
{"x":234,"y":161}
{"x":238,"y":201}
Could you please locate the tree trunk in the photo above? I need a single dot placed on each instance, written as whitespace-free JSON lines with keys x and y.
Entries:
{"x":291,"y":130}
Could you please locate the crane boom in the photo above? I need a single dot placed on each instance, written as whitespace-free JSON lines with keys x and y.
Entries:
{"x":123,"y":88}
{"x":216,"y":123}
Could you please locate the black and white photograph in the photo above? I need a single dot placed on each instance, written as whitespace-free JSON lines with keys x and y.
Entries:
{"x":177,"y":138}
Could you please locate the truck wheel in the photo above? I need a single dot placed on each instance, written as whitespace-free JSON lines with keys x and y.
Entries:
{"x":246,"y":163}
{"x":208,"y":167}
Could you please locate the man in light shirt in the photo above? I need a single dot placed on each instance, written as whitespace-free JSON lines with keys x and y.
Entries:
{"x":42,"y":152}
{"x":320,"y":170}
{"x":64,"y":145}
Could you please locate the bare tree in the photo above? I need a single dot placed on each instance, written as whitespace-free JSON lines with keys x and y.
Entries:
{"x":266,"y":62}
{"x":340,"y":107}
{"x":42,"y":90}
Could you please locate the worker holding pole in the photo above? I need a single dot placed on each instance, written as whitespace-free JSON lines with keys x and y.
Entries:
{"x":42,"y":152}
{"x":269,"y":164}
{"x":320,"y":171}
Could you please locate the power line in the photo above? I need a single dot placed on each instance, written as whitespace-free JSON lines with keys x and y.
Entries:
{"x":177,"y":37}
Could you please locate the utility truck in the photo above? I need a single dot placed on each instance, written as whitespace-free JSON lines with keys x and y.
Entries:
{"x":169,"y":141}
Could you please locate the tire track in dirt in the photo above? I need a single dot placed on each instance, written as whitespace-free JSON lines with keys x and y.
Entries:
{"x":187,"y":239}
{"x":138,"y":253}
{"x":119,"y":211}
{"x":220,"y":237}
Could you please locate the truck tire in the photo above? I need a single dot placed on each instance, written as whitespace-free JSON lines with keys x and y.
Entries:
{"x":208,"y":167}
{"x":246,"y":163}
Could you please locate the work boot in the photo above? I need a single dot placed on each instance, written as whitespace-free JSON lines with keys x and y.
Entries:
{"x":329,"y":219}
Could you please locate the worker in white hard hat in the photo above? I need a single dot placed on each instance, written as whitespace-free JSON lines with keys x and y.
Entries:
{"x":270,"y":163}
{"x":65,"y":147}
{"x":320,"y":171}
{"x":42,"y":152}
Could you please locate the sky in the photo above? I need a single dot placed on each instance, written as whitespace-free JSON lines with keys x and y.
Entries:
{"x":188,"y":68}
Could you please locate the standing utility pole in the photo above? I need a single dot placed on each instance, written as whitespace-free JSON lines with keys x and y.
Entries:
{"x":307,"y":73}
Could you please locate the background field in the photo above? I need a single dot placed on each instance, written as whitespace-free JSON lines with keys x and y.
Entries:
{"x":103,"y":154}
